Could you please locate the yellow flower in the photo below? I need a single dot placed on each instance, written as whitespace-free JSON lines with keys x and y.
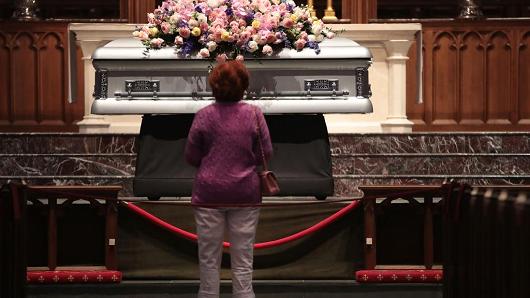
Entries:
{"x":196,"y":31}
{"x":225,"y":35}
{"x":294,"y":18}
{"x":153,"y":31}
{"x":256,"y":24}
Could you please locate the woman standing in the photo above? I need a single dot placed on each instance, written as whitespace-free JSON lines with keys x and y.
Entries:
{"x":223,"y":144}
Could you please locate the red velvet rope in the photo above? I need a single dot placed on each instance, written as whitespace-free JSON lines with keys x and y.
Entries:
{"x":320,"y":225}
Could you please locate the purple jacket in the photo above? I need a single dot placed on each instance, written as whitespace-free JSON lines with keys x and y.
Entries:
{"x":223,"y":145}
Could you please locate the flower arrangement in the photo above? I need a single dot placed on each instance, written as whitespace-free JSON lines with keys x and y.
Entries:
{"x":232,"y":29}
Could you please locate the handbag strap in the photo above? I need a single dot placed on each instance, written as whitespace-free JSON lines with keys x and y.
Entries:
{"x":265,"y":168}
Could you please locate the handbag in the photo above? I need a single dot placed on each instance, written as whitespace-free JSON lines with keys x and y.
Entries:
{"x":268,"y":181}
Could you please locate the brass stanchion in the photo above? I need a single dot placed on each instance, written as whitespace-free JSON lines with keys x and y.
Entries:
{"x":329,"y":14}
{"x":311,"y":8}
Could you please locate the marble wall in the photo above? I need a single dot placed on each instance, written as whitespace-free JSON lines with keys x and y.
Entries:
{"x":358,"y":159}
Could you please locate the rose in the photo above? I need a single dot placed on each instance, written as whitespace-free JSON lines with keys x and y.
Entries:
{"x":267,"y":50}
{"x":153,"y":31}
{"x":166,"y":27}
{"x":221,"y":58}
{"x":201,"y":18}
{"x":330,"y":34}
{"x":192,"y":23}
{"x":151,"y":18}
{"x":213,"y":3}
{"x":179,"y":40}
{"x":184,"y":32}
{"x":252,"y":46}
{"x":225,"y":35}
{"x":240,"y":57}
{"x":212,"y":45}
{"x":156,"y":42}
{"x":142,"y":35}
{"x":288,"y":23}
{"x":174,"y":18}
{"x":196,"y":31}
{"x":204,"y":53}
{"x":299,"y":44}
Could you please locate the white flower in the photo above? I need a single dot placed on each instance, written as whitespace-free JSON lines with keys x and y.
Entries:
{"x":156,"y":42}
{"x":267,"y":50}
{"x":316,"y":28}
{"x":174,"y":18}
{"x":212,"y":45}
{"x":320,"y":38}
{"x":192,"y":23}
{"x":214,"y":3}
{"x":204,"y":53}
{"x":179,"y":40}
{"x":311,"y":37}
{"x":252,"y":46}
{"x":201,"y":18}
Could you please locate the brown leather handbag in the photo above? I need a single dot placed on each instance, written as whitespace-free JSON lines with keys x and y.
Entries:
{"x":269,"y":183}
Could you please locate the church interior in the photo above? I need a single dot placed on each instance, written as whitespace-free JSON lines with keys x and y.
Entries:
{"x":402,"y":151}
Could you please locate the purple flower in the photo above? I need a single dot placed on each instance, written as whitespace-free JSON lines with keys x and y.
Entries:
{"x":314,"y":45}
{"x":187,"y":47}
{"x":229,"y":11}
{"x":198,"y":9}
{"x":181,"y":24}
{"x":249,"y":17}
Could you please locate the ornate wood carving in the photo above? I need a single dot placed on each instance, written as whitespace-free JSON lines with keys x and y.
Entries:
{"x":33,"y":78}
{"x":522,"y":87}
{"x":475,"y":76}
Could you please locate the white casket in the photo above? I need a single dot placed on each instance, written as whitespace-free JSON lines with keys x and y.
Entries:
{"x":130,"y":80}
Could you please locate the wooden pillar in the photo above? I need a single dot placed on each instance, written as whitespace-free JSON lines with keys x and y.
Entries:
{"x":135,"y":11}
{"x":428,"y":254}
{"x":111,"y":233}
{"x":370,"y":257}
{"x":359,"y":11}
{"x":52,"y":233}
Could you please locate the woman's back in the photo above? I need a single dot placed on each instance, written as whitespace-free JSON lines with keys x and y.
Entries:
{"x":223,"y":144}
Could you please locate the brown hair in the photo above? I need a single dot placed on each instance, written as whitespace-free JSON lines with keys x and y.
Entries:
{"x":228,"y":81}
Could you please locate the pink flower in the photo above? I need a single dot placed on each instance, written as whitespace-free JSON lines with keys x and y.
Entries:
{"x":330,"y":34}
{"x":204,"y":53}
{"x":151,"y":18}
{"x":221,"y":58}
{"x":240,"y":58}
{"x":156,"y":42}
{"x":184,"y":32}
{"x":267,"y":50}
{"x":179,"y":40}
{"x":166,"y":27}
{"x":299,"y":44}
{"x":142,"y":35}
{"x":288,"y":23}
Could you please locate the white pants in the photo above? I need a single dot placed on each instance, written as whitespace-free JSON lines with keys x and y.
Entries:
{"x":240,"y":223}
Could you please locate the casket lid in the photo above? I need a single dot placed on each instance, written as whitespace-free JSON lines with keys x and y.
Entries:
{"x":132,"y":49}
